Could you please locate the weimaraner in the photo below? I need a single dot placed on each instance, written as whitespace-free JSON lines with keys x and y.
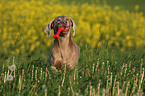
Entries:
{"x":64,"y":50}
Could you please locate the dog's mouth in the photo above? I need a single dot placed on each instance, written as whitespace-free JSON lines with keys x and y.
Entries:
{"x":66,"y":29}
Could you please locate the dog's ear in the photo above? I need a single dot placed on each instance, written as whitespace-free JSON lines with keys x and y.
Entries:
{"x":49,"y":28}
{"x":73,"y":25}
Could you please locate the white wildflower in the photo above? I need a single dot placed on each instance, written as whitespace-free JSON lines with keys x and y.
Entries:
{"x":9,"y":77}
{"x":12,"y":67}
{"x":43,"y":86}
{"x":24,"y":85}
{"x":103,"y":91}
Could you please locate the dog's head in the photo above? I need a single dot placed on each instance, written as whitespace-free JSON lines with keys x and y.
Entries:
{"x":61,"y":21}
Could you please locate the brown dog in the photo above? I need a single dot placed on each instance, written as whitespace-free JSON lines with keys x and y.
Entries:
{"x":64,"y":50}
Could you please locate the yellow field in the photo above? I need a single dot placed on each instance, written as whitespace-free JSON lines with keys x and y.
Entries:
{"x":22,"y":24}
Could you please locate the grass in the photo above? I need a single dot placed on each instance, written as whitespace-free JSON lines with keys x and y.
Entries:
{"x":102,"y":71}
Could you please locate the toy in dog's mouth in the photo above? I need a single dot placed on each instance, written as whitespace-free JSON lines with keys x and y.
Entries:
{"x":61,"y":29}
{"x":66,"y":29}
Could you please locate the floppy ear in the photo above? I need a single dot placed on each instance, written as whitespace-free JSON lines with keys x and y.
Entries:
{"x":73,"y":25}
{"x":49,"y":28}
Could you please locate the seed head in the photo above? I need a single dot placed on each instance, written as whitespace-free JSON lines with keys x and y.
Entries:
{"x":9,"y":77}
{"x":12,"y":67}
{"x":43,"y":86}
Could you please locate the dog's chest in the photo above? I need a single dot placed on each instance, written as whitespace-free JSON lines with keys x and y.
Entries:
{"x":63,"y":54}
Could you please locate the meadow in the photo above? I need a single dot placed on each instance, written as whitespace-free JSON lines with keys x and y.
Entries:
{"x":111,"y":36}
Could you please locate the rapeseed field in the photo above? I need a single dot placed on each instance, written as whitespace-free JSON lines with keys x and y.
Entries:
{"x":23,"y":22}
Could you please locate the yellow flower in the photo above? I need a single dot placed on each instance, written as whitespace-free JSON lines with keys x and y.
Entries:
{"x":128,"y":37}
{"x":0,"y":6}
{"x":12,"y":52}
{"x":17,"y":51}
{"x":4,"y":44}
{"x":48,"y":44}
{"x":116,"y":8}
{"x":5,"y":50}
{"x":117,"y":44}
{"x":110,"y":42}
{"x":118,"y":33}
{"x":13,"y":42}
{"x":22,"y":47}
{"x":136,"y":7}
{"x":130,"y":44}
{"x":122,"y":49}
{"x":37,"y":43}
{"x":32,"y":47}
{"x":93,"y":45}
{"x":35,"y":38}
{"x":107,"y":36}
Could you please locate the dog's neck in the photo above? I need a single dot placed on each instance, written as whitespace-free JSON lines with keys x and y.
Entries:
{"x":63,"y":42}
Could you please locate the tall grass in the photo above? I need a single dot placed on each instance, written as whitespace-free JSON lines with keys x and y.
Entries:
{"x":101,"y":72}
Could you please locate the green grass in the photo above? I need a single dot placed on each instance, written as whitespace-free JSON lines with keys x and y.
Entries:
{"x":102,"y":71}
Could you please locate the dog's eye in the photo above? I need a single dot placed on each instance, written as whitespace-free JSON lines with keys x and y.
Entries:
{"x":58,"y":20}
{"x":67,"y":19}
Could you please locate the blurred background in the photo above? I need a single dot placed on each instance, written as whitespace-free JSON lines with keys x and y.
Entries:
{"x":115,"y":23}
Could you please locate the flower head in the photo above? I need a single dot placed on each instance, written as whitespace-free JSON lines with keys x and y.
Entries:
{"x":43,"y":86}
{"x":12,"y":67}
{"x":136,"y":7}
{"x":9,"y":77}
{"x":103,"y":91}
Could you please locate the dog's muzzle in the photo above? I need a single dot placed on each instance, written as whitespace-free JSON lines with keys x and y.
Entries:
{"x":65,"y":24}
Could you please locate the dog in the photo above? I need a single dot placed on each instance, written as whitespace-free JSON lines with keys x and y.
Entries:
{"x":64,"y":50}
